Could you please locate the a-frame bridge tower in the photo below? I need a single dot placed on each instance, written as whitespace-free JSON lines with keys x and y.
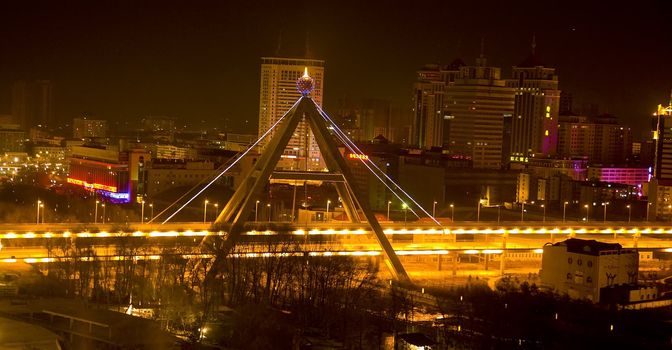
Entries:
{"x":239,"y":208}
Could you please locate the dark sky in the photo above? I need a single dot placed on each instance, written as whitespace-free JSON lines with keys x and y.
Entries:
{"x":200,"y":60}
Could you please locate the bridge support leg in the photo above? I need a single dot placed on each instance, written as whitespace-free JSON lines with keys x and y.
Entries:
{"x":502,"y":260}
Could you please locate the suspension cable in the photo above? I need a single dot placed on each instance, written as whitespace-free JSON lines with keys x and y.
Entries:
{"x":235,"y":161}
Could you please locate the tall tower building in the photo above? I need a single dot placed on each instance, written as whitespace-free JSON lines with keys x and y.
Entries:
{"x":534,"y":126}
{"x":278,"y":94}
{"x":660,"y":187}
{"x":430,"y":120}
{"x":32,"y":103}
{"x":476,"y":104}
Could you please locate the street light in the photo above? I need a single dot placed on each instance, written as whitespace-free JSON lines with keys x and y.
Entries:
{"x":151,"y":210}
{"x":604,"y":204}
{"x":405,"y":207}
{"x":388,"y":210}
{"x":328,"y":202}
{"x":434,"y":209}
{"x":564,"y":211}
{"x":478,"y":211}
{"x":256,"y":211}
{"x":37,"y":216}
{"x":95,"y":213}
{"x":103,"y":205}
{"x":587,"y":211}
{"x":205,"y":210}
{"x":452,"y":212}
{"x":648,"y":206}
{"x":544,"y":217}
{"x":216,"y":210}
{"x":522,"y":212}
{"x":669,"y":208}
{"x":142,"y":212}
{"x":629,"y":212}
{"x":42,"y":209}
{"x":269,"y":211}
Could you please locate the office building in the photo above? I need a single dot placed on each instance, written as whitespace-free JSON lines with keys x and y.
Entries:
{"x":12,"y":138}
{"x":85,"y":128}
{"x":534,"y":126}
{"x":33,"y":103}
{"x":600,"y":138}
{"x":476,"y":104}
{"x":103,"y":170}
{"x":660,"y":187}
{"x":621,"y":175}
{"x":364,"y":119}
{"x":582,"y":268}
{"x":278,"y":94}
{"x":431,"y":118}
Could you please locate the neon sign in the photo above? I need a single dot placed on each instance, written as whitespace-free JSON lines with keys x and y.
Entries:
{"x":93,"y":186}
{"x":358,"y":156}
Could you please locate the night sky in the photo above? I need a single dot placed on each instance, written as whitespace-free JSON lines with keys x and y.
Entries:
{"x":200,"y":60}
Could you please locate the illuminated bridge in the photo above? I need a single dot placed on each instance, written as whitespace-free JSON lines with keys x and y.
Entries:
{"x":30,"y":242}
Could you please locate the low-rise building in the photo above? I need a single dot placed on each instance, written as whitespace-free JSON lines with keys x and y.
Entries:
{"x":621,"y":175}
{"x":582,"y":268}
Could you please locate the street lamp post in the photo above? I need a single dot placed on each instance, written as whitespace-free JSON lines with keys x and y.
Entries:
{"x":205,"y":210}
{"x":269,"y":211}
{"x":452,"y":212}
{"x":405,"y":207}
{"x":604,"y":204}
{"x":95,"y":213}
{"x":37,"y":216}
{"x":543,"y":206}
{"x":478,"y":211}
{"x":587,"y":211}
{"x":434,"y":209}
{"x":328,"y":202}
{"x":669,"y":208}
{"x":499,"y":212}
{"x":564,"y":211}
{"x":629,"y":212}
{"x":522,"y":212}
{"x":104,"y":216}
{"x":388,"y":210}
{"x":151,"y":210}
{"x":256,"y":211}
{"x":648,"y":206}
{"x":142,"y":212}
{"x":42,"y":210}
{"x":216,"y":210}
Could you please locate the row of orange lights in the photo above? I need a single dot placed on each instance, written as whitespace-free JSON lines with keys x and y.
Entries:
{"x":268,"y":254}
{"x":361,"y":231}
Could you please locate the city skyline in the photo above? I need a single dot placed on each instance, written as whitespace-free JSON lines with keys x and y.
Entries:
{"x":120,"y":62}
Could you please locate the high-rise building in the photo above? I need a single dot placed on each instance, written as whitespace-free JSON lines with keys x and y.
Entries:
{"x":33,"y":103}
{"x":602,"y":139}
{"x":660,"y":189}
{"x":431,"y":121}
{"x":88,"y":128}
{"x":278,"y":94}
{"x":476,"y":104}
{"x":534,"y":127}
{"x":365,"y":119}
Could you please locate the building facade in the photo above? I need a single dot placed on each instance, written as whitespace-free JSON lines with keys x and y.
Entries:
{"x":84,"y":128}
{"x":660,"y":187}
{"x":534,"y":125}
{"x":582,"y":268}
{"x":278,"y":94}
{"x":33,"y":103}
{"x":600,"y":138}
{"x":476,"y":105}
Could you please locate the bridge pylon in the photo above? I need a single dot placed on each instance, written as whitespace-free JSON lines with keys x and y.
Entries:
{"x":238,"y":210}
